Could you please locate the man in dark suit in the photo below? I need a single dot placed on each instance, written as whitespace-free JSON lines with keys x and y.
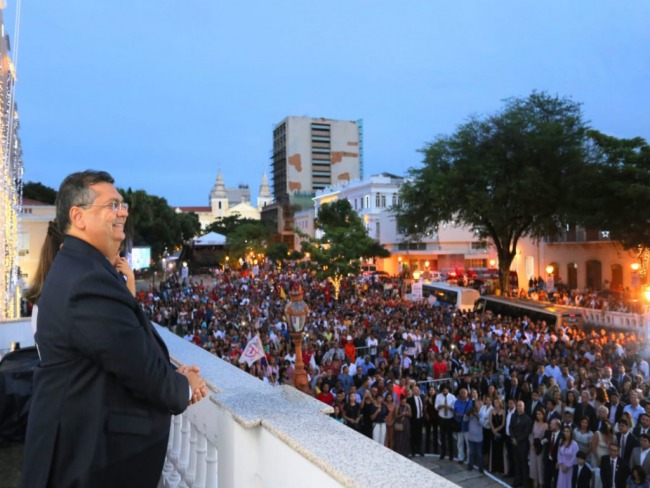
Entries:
{"x":551,"y":442}
{"x":551,"y":412}
{"x":620,"y":378}
{"x":581,"y":472}
{"x":626,"y":440}
{"x":615,"y":407}
{"x":584,"y":409}
{"x":520,"y":427}
{"x":533,"y":405}
{"x":104,"y":390}
{"x":643,"y":427}
{"x":513,"y":391}
{"x":417,"y":419}
{"x":538,"y":378}
{"x":613,"y":470}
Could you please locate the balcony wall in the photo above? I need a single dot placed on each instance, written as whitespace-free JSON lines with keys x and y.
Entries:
{"x":248,"y":433}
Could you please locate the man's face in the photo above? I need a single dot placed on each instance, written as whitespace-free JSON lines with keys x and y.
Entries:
{"x":99,"y":225}
{"x":645,"y":421}
{"x":511,"y":404}
{"x":645,"y":443}
{"x":622,"y":428}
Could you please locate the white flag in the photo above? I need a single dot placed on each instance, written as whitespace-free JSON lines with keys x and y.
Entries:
{"x":254,"y":351}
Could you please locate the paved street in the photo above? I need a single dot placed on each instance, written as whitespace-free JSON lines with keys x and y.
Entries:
{"x":459,"y":474}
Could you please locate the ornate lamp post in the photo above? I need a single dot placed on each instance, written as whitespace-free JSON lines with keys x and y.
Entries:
{"x":296,"y":312}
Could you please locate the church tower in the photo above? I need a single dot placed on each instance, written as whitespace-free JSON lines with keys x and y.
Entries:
{"x":219,"y":198}
{"x":264,"y":196}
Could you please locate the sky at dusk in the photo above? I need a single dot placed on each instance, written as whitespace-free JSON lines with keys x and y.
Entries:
{"x":163,"y":94}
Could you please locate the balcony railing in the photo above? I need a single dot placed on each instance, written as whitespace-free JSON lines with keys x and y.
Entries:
{"x":249,"y":434}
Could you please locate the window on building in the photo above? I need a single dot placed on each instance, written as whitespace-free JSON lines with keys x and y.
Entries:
{"x":383,"y":201}
{"x":219,"y":205}
{"x":377,"y":200}
{"x":367,"y":201}
{"x":377,"y":229}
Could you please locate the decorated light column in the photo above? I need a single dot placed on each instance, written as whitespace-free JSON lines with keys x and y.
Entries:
{"x":296,"y":312}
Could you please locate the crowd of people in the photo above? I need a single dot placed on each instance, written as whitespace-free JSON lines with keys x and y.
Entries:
{"x":546,"y":405}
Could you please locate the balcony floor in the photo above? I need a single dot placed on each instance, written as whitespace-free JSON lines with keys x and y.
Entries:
{"x":11,"y":458}
{"x":11,"y":461}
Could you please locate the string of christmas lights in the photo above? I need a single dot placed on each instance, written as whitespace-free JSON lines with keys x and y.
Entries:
{"x":11,"y":180}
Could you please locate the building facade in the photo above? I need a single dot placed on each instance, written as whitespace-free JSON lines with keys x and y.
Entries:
{"x":579,"y":258}
{"x":226,"y":202}
{"x":310,"y":154}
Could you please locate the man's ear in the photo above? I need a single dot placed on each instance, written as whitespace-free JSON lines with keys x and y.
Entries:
{"x":77,"y":218}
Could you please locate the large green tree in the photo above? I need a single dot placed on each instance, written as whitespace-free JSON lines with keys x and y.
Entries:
{"x":249,"y":236}
{"x":505,"y":175}
{"x":152,"y":222}
{"x":227,"y":225}
{"x":344,"y":243}
{"x":618,"y":185}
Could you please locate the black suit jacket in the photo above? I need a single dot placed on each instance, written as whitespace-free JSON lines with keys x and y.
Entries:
{"x":411,"y":401}
{"x":618,"y":383}
{"x":630,"y":443}
{"x":584,"y":480}
{"x":549,"y":451}
{"x":619,"y":411}
{"x":586,"y":411}
{"x":104,"y":390}
{"x":620,"y":477}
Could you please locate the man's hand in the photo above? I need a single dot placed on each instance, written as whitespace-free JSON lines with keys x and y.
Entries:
{"x":197,"y":384}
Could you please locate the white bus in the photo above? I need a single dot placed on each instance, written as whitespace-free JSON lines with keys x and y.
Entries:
{"x":445,"y":294}
{"x":534,"y":310}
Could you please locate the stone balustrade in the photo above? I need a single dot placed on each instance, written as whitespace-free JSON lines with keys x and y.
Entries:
{"x":247,"y":433}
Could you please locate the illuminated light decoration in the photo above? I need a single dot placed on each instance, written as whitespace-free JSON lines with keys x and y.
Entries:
{"x":11,"y":181}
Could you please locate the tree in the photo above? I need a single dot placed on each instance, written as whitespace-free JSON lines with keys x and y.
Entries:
{"x":343,"y":245}
{"x":152,"y":222}
{"x":39,"y":192}
{"x":620,"y":170}
{"x":228,"y":224}
{"x":251,"y":236}
{"x":505,"y":176}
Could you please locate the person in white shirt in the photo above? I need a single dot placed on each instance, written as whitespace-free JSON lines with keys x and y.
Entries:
{"x":634,"y":408}
{"x":444,"y":404}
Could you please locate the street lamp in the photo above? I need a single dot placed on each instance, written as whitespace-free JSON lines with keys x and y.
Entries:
{"x":296,"y":312}
{"x":416,"y":275}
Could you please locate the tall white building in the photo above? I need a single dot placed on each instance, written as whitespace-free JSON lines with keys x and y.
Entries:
{"x":310,"y":154}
